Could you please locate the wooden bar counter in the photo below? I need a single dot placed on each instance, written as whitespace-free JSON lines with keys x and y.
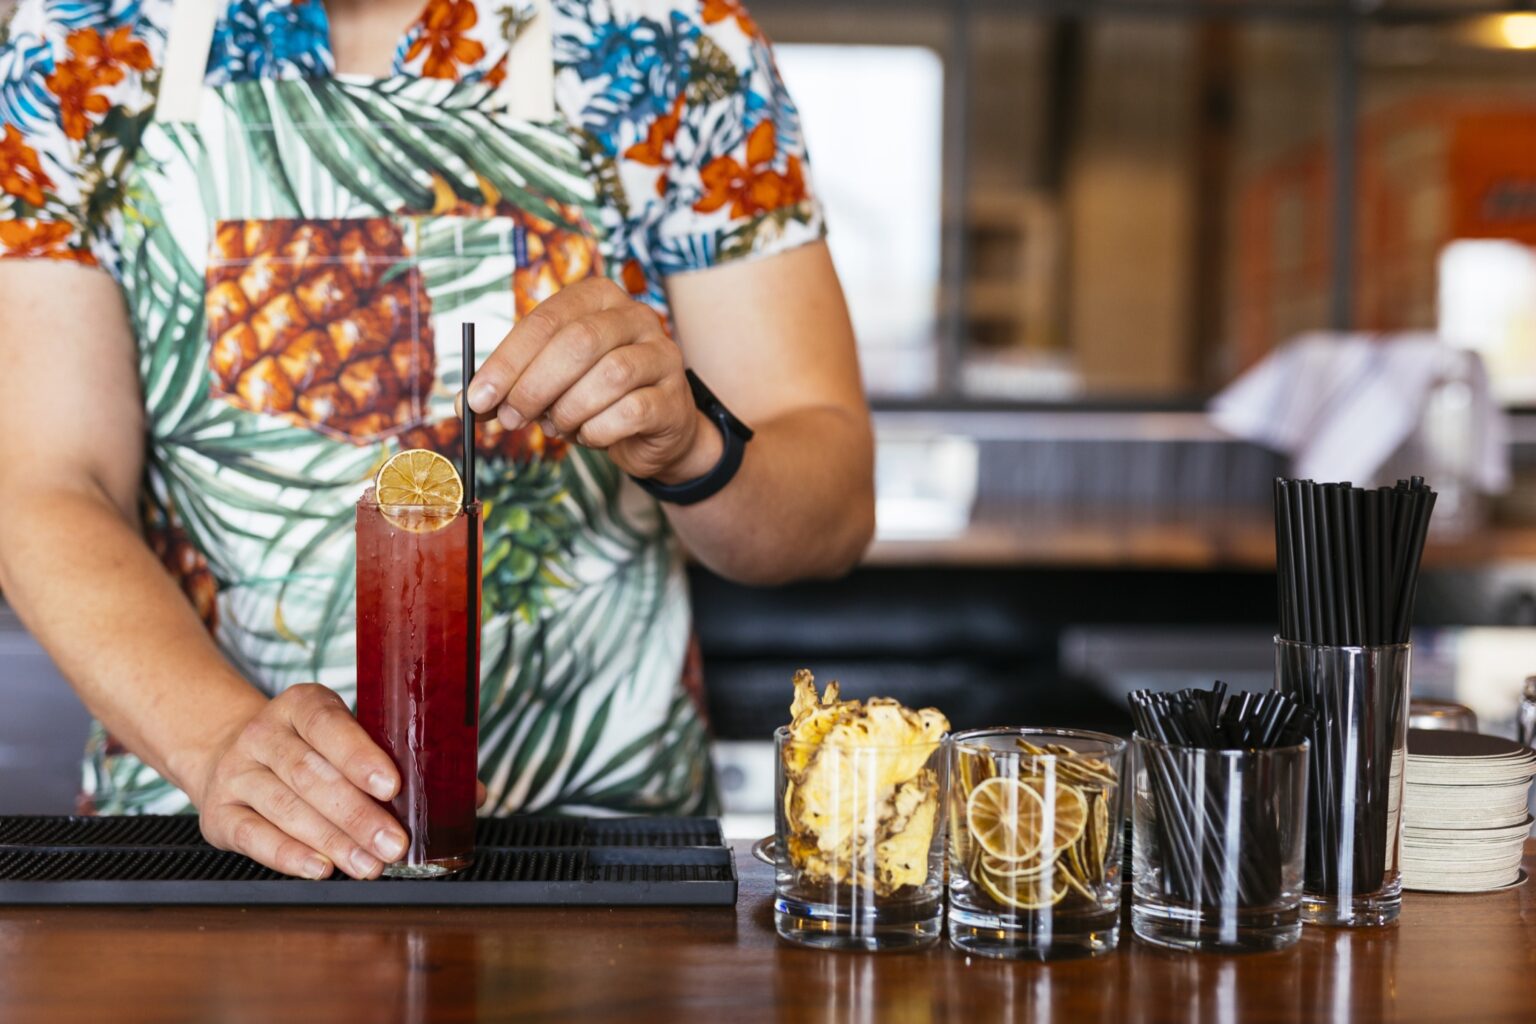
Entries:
{"x":1451,"y":958}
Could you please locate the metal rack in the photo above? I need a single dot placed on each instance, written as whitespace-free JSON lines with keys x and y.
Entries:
{"x":520,"y":861}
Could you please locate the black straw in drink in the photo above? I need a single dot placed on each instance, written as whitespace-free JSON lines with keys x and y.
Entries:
{"x":472,"y":548}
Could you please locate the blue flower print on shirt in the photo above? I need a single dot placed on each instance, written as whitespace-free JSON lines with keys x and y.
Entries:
{"x":97,"y":14}
{"x":633,"y":66}
{"x":24,"y":97}
{"x":261,"y":39}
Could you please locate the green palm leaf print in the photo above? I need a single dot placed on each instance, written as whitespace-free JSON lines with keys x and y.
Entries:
{"x":585,"y":607}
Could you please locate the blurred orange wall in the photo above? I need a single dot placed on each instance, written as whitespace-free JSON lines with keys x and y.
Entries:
{"x":1430,"y":171}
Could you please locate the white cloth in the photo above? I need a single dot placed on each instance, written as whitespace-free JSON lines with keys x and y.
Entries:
{"x":1341,"y":405}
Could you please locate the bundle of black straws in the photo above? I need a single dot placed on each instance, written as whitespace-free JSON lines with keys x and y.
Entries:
{"x":1348,"y":560}
{"x":1348,"y":571}
{"x":1197,"y":818}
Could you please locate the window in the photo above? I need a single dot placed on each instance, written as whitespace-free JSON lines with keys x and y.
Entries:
{"x":1135,"y":200}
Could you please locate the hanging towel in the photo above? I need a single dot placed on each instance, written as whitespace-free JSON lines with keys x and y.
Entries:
{"x":1341,"y":405}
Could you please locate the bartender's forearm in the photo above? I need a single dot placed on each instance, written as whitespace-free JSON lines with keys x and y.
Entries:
{"x":72,"y":561}
{"x":801,"y":505}
{"x":84,"y":583}
{"x":773,"y":340}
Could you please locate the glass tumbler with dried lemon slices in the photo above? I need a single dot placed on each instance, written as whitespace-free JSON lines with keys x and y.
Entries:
{"x":418,"y":626}
{"x":1035,"y":842}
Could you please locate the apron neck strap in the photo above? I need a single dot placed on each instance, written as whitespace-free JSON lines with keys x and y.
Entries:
{"x":527,"y":91}
{"x":186,"y":59}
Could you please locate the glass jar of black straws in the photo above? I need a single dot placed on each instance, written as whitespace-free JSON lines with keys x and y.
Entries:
{"x":1219,"y":820}
{"x":1359,"y":697}
{"x":1348,"y":567}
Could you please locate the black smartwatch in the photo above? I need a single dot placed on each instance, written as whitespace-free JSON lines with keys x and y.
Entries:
{"x":734,"y":435}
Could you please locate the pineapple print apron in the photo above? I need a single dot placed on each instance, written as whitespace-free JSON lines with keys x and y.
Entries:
{"x":298,"y":256}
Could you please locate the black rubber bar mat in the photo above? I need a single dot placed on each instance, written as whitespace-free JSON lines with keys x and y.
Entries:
{"x":520,"y":861}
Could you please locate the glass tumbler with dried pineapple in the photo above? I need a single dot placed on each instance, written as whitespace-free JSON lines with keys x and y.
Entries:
{"x":858,"y":853}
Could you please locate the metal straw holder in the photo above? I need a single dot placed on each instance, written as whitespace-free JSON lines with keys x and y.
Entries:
{"x":1359,"y":739}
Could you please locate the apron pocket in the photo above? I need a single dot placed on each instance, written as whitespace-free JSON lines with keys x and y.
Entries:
{"x":346,"y":326}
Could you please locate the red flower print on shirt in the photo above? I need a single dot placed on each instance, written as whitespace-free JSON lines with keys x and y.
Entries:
{"x":633,"y":276}
{"x":754,"y":188}
{"x":656,"y":148}
{"x":440,"y":32}
{"x":119,"y":48}
{"x":21,"y":174}
{"x":719,"y":10}
{"x":95,"y":62}
{"x":23,"y":239}
{"x":498,"y":73}
{"x":74,"y":86}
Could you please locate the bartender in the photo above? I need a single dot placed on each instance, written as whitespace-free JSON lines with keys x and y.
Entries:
{"x":238,"y":240}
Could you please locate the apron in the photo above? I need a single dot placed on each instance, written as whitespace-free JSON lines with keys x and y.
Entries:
{"x":297,"y":258}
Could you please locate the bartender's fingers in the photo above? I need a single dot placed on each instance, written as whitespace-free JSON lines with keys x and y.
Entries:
{"x":628,"y":431}
{"x":638,"y":414}
{"x":359,"y":818}
{"x":244,"y":831}
{"x":322,"y":720}
{"x":575,"y":349}
{"x":532,"y":333}
{"x":481,"y":793}
{"x":625,"y":369}
{"x":270,"y":797}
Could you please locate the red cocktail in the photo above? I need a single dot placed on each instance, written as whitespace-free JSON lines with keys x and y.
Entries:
{"x":418,"y":668}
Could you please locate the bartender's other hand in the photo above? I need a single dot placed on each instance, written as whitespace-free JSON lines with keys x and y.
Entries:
{"x":597,"y":367}
{"x":297,"y":788}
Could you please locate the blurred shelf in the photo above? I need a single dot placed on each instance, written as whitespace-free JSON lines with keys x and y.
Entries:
{"x":994,"y":419}
{"x":1241,"y":540}
{"x":1319,"y":11}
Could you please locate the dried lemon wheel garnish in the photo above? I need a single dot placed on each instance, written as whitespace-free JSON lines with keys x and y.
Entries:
{"x":1006,"y":818}
{"x":998,"y":868}
{"x":1070,"y":811}
{"x":1034,"y":893}
{"x":418,"y":490}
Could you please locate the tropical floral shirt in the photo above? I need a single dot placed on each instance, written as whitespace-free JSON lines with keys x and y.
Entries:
{"x":251,"y":470}
{"x":682,"y":95}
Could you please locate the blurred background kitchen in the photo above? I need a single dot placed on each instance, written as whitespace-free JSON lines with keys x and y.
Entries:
{"x":1115,"y":265}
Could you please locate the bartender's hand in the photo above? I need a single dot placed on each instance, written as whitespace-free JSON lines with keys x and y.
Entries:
{"x":773,"y":338}
{"x":595,"y":366}
{"x":297,"y":788}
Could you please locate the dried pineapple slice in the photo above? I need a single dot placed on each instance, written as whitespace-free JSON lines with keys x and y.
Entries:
{"x":857,"y":815}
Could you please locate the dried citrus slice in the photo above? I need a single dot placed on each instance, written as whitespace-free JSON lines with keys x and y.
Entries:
{"x":1068,"y":809}
{"x":1098,"y":845}
{"x":1014,"y":869}
{"x":1071,"y":765}
{"x":1006,"y":818}
{"x":1034,"y":893}
{"x":418,"y":490}
{"x":1071,"y":877}
{"x":974,"y":770}
{"x":418,"y":477}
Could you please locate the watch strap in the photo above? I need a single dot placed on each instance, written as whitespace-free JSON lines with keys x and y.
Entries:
{"x":734,"y":436}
